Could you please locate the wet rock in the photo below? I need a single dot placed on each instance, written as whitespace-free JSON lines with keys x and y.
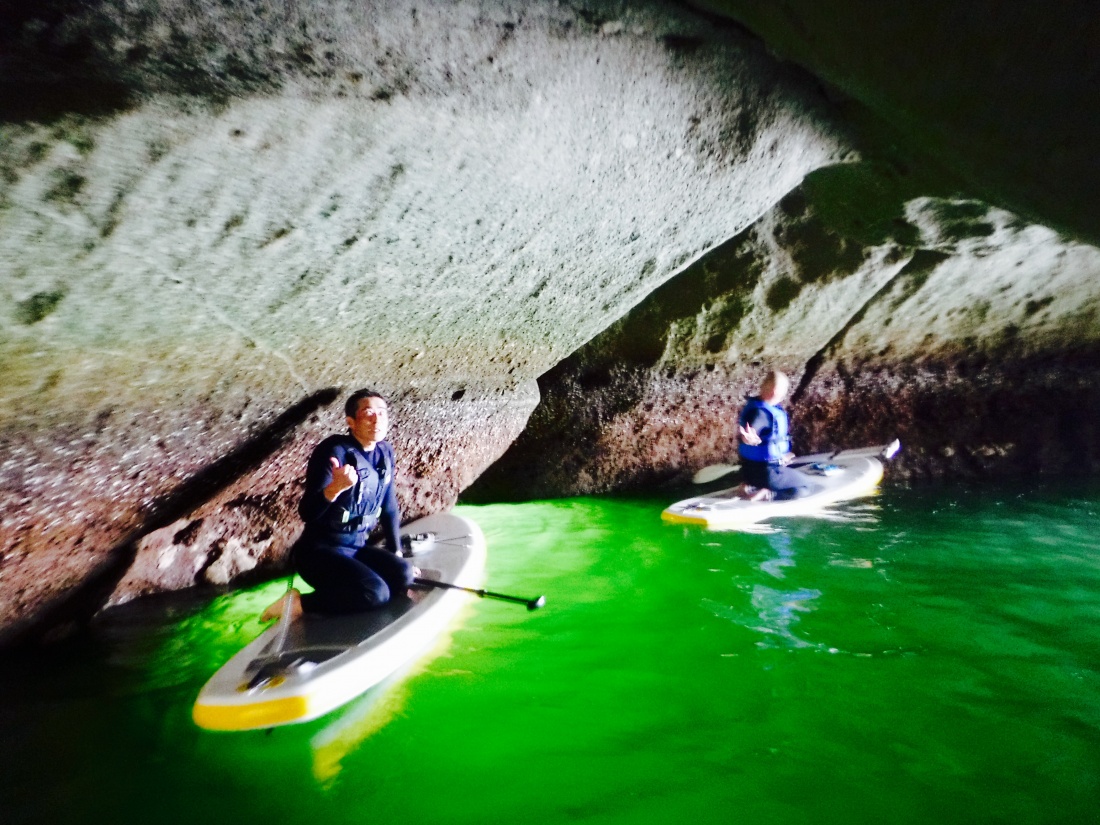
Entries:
{"x":217,"y":220}
{"x":967,"y":332}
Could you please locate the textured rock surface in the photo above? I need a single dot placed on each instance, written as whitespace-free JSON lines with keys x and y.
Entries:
{"x":968,"y":333}
{"x":216,"y":218}
{"x":1006,"y":94}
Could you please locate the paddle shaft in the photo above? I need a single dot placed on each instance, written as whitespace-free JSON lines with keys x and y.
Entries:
{"x":532,"y":604}
{"x":714,"y":472}
{"x":717,"y":471}
{"x":885,"y":450}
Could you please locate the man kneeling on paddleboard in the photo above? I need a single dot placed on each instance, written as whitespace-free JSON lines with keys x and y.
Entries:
{"x":349,"y":489}
{"x":764,"y":445}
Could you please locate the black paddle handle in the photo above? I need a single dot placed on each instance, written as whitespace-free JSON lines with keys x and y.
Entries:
{"x":532,"y":604}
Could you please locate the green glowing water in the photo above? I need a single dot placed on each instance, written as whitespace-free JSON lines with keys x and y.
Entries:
{"x":924,"y":656}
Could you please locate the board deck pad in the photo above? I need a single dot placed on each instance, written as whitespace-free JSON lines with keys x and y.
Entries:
{"x":345,"y":631}
{"x":317,"y":663}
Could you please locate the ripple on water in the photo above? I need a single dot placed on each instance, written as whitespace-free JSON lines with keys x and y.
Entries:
{"x":928,"y":656}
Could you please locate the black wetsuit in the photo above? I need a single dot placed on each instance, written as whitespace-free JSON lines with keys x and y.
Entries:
{"x":332,"y":554}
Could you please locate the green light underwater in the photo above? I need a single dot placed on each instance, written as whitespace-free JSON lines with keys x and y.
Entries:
{"x":921,"y":656}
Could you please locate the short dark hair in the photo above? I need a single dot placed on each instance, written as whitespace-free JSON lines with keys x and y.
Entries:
{"x":351,"y":406}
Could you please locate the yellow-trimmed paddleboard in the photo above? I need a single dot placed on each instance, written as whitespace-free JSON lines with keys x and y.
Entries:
{"x":304,"y":669}
{"x":831,"y":477}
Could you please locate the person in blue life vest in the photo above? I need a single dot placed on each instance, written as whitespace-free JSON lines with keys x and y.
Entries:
{"x":349,"y":488}
{"x":764,"y":444}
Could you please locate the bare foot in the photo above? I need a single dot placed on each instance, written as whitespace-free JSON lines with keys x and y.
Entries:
{"x":763,"y":494}
{"x":744,"y":491}
{"x":275,"y":609}
{"x":416,"y":591}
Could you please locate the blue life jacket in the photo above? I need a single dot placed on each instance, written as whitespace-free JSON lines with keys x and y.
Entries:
{"x":775,"y":441}
{"x":354,"y":513}
{"x":369,"y":491}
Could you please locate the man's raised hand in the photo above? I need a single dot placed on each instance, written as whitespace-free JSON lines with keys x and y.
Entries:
{"x":749,"y":435}
{"x":344,"y":477}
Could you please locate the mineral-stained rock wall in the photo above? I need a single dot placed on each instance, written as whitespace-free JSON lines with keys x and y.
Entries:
{"x":970,"y":334}
{"x":215,"y":219}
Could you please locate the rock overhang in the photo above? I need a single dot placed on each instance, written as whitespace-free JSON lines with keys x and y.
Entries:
{"x":440,"y":201}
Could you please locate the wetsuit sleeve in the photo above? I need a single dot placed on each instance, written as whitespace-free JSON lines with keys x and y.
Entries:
{"x":391,"y":514}
{"x":318,"y":476}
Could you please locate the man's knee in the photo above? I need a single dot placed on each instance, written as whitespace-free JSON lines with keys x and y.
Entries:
{"x":376,"y":593}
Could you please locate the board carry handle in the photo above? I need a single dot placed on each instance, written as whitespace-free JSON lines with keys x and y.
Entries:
{"x":532,"y":604}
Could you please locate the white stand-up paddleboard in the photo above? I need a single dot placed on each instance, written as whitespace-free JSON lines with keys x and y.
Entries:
{"x":297,"y":671}
{"x":831,"y":477}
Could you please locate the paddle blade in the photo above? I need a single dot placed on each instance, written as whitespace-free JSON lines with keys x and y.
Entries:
{"x":714,"y":472}
{"x":891,"y":449}
{"x":535,"y":604}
